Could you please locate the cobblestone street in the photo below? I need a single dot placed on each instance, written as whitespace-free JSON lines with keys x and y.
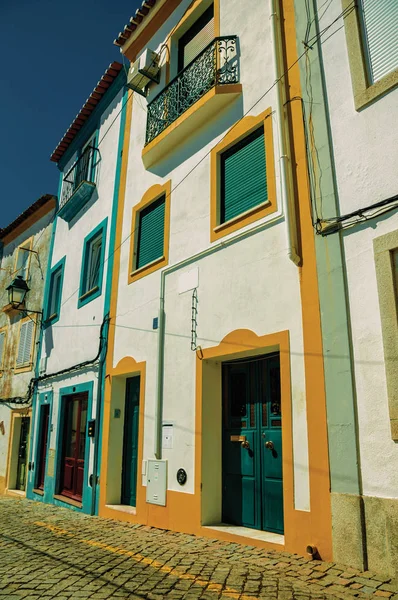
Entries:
{"x":48,"y":552}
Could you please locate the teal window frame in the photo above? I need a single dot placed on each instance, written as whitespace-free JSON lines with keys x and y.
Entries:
{"x":225,"y":216}
{"x":86,"y":296}
{"x":50,"y":319}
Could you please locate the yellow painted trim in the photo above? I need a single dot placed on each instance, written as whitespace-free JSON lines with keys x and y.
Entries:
{"x":364,"y":91}
{"x":178,"y":31}
{"x":27,"y":245}
{"x":233,"y":88}
{"x":126,"y":367}
{"x":31,"y":220}
{"x":150,"y":196}
{"x":238,"y":132}
{"x":16,"y":413}
{"x":28,"y":366}
{"x":320,"y":527}
{"x":5,"y":331}
{"x":239,"y":344}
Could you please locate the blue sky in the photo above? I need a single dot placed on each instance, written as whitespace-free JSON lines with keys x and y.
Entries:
{"x":53,"y":53}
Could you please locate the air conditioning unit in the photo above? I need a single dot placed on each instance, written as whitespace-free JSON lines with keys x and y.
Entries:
{"x":144,"y":70}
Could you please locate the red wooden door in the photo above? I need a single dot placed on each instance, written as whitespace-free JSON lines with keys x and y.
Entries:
{"x":74,"y":446}
{"x":44,"y":420}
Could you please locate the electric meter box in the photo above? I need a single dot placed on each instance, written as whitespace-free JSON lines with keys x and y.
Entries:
{"x":156,"y":482}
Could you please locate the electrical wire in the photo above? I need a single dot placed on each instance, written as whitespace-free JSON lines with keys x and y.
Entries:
{"x":342,"y":14}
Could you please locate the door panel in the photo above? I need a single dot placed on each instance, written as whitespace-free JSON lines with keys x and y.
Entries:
{"x":42,"y":445}
{"x":252,"y":444}
{"x":74,"y":445}
{"x":130,"y":442}
{"x":23,"y":453}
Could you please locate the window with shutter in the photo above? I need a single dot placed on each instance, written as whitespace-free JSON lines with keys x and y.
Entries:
{"x":22,"y":260}
{"x":380,"y":27}
{"x":2,"y":346}
{"x":55,"y":292}
{"x":243,"y":176}
{"x":200,"y":35}
{"x":25,"y":346}
{"x":92,"y":264}
{"x":150,"y":244}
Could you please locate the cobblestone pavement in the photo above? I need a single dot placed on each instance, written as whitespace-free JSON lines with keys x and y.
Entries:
{"x":50,"y":552}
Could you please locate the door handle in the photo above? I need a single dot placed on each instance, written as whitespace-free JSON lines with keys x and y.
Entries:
{"x":240,"y":438}
{"x":269,"y":445}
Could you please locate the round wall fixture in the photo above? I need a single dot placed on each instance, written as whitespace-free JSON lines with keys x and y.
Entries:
{"x":181,"y":476}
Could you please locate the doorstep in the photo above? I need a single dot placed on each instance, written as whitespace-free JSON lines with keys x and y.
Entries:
{"x":126,"y":508}
{"x":246,"y":532}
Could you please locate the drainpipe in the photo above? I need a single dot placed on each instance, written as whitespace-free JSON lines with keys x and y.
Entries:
{"x":277,"y":218}
{"x":287,"y":188}
{"x":286,"y":212}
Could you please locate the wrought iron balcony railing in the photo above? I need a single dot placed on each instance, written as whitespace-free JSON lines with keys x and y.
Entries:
{"x":81,"y":172}
{"x":217,"y":64}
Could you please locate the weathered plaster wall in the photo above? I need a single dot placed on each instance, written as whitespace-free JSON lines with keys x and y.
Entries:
{"x":16,"y":384}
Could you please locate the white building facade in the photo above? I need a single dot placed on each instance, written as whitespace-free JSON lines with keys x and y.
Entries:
{"x":66,"y":410}
{"x":214,"y":407}
{"x":349,"y":79}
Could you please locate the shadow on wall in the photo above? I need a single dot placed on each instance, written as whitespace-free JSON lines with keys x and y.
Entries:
{"x":217,"y":126}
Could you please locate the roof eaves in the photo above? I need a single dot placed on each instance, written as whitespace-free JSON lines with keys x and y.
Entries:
{"x":95,"y":97}
{"x":135,"y":22}
{"x":42,"y":201}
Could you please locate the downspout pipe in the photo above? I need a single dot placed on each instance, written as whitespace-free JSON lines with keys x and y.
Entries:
{"x":278,"y":217}
{"x":283,"y":134}
{"x":285,"y":213}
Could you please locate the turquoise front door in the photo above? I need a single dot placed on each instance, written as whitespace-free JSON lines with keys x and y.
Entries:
{"x":130,"y":442}
{"x":252,"y":444}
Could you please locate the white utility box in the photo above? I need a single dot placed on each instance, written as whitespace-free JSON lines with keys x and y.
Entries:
{"x":156,"y":482}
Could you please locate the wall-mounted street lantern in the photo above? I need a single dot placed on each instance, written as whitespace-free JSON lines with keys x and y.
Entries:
{"x":17,"y":291}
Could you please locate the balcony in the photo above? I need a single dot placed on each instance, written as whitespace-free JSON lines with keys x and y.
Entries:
{"x":199,"y":91}
{"x":78,"y":184}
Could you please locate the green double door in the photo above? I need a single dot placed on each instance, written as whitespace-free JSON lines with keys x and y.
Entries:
{"x":130,"y":442}
{"x":252,"y":444}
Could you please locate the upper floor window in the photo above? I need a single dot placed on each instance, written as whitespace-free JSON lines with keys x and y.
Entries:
{"x":24,"y":356}
{"x":243,"y":176}
{"x":2,"y":347}
{"x":149,"y":242}
{"x":370,"y":27}
{"x":92,"y":264}
{"x":198,"y":36}
{"x":55,"y":291}
{"x":380,"y":27}
{"x":22,"y":259}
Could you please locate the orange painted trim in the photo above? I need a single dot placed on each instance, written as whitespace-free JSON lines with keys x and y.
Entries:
{"x":27,"y":245}
{"x":28,"y":366}
{"x":16,"y":413}
{"x":151,"y":195}
{"x":239,"y":131}
{"x":235,"y":89}
{"x":240,"y":344}
{"x":136,"y":43}
{"x":127,"y":367}
{"x":113,"y":303}
{"x":31,"y":220}
{"x":3,"y":330}
{"x":320,"y":525}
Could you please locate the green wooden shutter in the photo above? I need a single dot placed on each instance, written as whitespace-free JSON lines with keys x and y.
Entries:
{"x":151,"y":233}
{"x":380,"y":19}
{"x":243,"y":177}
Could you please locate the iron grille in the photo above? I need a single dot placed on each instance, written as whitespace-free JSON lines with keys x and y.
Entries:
{"x":82,"y":170}
{"x":217,"y":64}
